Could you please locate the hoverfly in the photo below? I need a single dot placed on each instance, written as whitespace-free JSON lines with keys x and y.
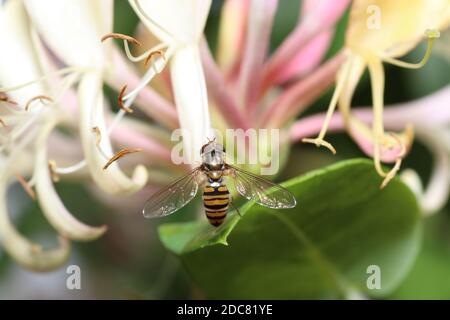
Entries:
{"x":216,"y":197}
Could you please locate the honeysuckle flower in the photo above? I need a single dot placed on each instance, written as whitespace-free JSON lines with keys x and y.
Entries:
{"x":402,"y":25}
{"x":237,"y":88}
{"x":430,"y":117}
{"x":19,"y":63}
{"x":235,"y":85}
{"x":74,"y":38}
{"x":179,"y":26}
{"x":37,"y":102}
{"x":246,"y":88}
{"x":37,"y":83}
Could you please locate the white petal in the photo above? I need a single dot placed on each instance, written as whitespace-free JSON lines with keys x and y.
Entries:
{"x":18,"y":61}
{"x":73,"y":28}
{"x":191,"y":100}
{"x":53,"y":208}
{"x":435,"y":196}
{"x":179,"y":21}
{"x":112,"y":180}
{"x":28,"y":254}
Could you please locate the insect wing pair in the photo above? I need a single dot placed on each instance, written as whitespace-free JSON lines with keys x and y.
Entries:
{"x":182,"y":191}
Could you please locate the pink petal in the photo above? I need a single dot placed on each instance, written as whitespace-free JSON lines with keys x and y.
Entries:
{"x":217,"y":89}
{"x":233,"y":22}
{"x":306,"y":60}
{"x":325,"y":15}
{"x":431,"y":110}
{"x":259,"y":26}
{"x":301,"y":94}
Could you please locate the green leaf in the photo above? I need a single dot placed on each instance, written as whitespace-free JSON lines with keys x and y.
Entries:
{"x":342,"y":224}
{"x":430,"y":276}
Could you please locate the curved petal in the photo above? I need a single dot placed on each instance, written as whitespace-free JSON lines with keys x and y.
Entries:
{"x":112,"y":180}
{"x":435,"y":196}
{"x":26,"y":253}
{"x":73,"y":28}
{"x":18,"y":61}
{"x":173,"y":21}
{"x":53,"y":208}
{"x":259,"y":26}
{"x":401,"y":24}
{"x":306,"y":59}
{"x":189,"y":89}
{"x":390,"y":146}
{"x":322,"y":18}
{"x":233,"y":20}
{"x":310,"y":56}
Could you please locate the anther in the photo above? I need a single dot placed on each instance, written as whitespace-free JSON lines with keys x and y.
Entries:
{"x":152,"y":54}
{"x":119,"y":155}
{"x":2,"y":123}
{"x":26,"y":186}
{"x":431,"y":35}
{"x":120,"y":100}
{"x":320,"y":142}
{"x":122,"y":37}
{"x":391,"y":174}
{"x":98,"y":135}
{"x":41,"y":98}
{"x":52,"y":168}
{"x":4,"y":98}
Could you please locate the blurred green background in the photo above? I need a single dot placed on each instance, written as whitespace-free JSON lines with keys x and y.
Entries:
{"x":129,"y":261}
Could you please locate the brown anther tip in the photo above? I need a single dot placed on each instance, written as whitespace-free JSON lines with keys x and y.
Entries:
{"x":119,"y":155}
{"x":151,"y":55}
{"x":120,"y":100}
{"x":122,"y":37}
{"x":52,"y":169}
{"x":26,"y":186}
{"x":98,"y":135}
{"x":41,"y":98}
{"x":5,"y":98}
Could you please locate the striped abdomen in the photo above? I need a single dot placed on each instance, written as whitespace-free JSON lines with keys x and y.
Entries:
{"x":216,"y":199}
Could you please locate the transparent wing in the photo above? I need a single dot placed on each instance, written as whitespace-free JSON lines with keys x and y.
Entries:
{"x":260,"y":190}
{"x":172,"y":197}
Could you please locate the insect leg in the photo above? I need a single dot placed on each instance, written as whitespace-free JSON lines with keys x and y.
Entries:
{"x":234,"y":207}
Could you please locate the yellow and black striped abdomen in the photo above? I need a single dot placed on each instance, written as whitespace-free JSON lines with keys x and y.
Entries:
{"x":216,"y":200}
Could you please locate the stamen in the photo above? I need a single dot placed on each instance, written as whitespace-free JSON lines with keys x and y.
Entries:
{"x":121,"y":36}
{"x":41,"y":98}
{"x":319,"y":141}
{"x":28,"y":189}
{"x":5,"y":98}
{"x":74,"y":168}
{"x":60,"y":72}
{"x":391,"y":174}
{"x":98,"y":136}
{"x":2,"y":123}
{"x":150,"y":73}
{"x":152,"y":54}
{"x":119,"y":155}
{"x":120,"y":100}
{"x":143,"y":56}
{"x":52,"y":168}
{"x":431,"y":35}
